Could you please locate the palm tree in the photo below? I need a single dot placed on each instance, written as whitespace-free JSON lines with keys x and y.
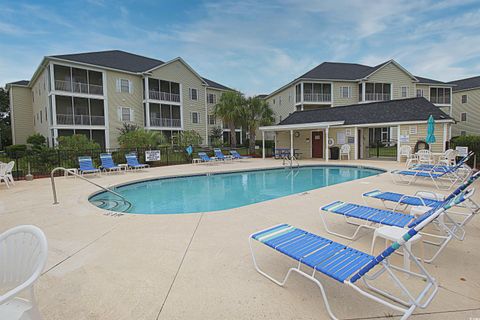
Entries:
{"x":228,"y":109}
{"x":255,"y":113}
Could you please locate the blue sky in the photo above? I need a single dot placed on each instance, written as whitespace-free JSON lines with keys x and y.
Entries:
{"x":254,"y":46}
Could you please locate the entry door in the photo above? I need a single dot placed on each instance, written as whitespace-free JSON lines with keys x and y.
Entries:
{"x":317,"y":144}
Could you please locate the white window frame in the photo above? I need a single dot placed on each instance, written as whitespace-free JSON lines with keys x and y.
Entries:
{"x":462,"y":115}
{"x":210,"y":117}
{"x":422,"y":93}
{"x":190,"y":92}
{"x":412,"y":130}
{"x":342,"y":92}
{"x":126,"y":84}
{"x":213,"y":96}
{"x":466,"y":98}
{"x":122,"y":112}
{"x":404,"y":89}
{"x":197,"y":114}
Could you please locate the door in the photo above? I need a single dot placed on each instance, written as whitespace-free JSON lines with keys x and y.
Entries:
{"x":317,"y":144}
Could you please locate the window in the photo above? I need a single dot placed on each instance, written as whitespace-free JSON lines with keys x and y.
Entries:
{"x":193,"y":94}
{"x":41,"y":117}
{"x":211,"y":98}
{"x":46,"y":117}
{"x":464,"y":98}
{"x":211,"y":119}
{"x":404,"y":92}
{"x":464,"y":116}
{"x":440,"y":95}
{"x":273,"y":101}
{"x":420,"y":93}
{"x":463,"y":133}
{"x":124,"y":85}
{"x":412,"y":129}
{"x":125,"y":114}
{"x":346,"y":92}
{"x":195,"y":117}
{"x":377,"y":91}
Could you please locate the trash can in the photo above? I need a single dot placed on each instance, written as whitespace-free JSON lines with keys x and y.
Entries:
{"x":334,"y":152}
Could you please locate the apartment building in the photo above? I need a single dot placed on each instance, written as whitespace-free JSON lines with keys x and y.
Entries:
{"x":364,"y":92}
{"x":466,"y":106}
{"x":94,"y":93}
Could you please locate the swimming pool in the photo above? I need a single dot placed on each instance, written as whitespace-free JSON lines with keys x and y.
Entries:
{"x":221,"y":191}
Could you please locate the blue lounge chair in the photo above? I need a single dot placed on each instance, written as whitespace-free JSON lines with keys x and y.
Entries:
{"x":133,"y":163}
{"x":445,"y":179}
{"x":220,"y":156}
{"x":237,"y":155}
{"x":348,"y":265}
{"x":86,"y":166}
{"x":205,"y":158}
{"x":108,"y":164}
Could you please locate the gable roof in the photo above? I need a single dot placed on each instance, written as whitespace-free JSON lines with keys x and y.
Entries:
{"x":115,"y":59}
{"x":402,"y":110}
{"x":19,"y":83}
{"x":216,"y":85}
{"x":465,"y":84}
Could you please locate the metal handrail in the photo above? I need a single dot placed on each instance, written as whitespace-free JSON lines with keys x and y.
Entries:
{"x":54,"y":190}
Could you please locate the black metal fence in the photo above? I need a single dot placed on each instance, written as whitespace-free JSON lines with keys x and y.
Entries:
{"x":41,"y":162}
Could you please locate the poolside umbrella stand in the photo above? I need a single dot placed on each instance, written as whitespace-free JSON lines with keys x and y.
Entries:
{"x":430,"y":131}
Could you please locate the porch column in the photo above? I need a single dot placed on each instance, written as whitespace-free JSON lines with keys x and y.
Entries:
{"x":291,"y":143}
{"x":444,"y":136}
{"x":301,"y":95}
{"x":398,"y":143}
{"x":356,"y":143}
{"x":147,"y":104}
{"x":263,"y":144}
{"x":326,"y":144}
{"x":363,"y":91}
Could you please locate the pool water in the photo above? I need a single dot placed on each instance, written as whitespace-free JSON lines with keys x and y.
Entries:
{"x":204,"y":193}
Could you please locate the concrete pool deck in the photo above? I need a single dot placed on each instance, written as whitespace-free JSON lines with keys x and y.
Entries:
{"x":198,"y":266}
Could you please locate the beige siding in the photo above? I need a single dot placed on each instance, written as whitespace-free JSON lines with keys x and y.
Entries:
{"x":397,"y":77}
{"x":178,"y":72}
{"x":116,"y":99}
{"x":426,"y":90}
{"x":332,"y":133}
{"x":283,"y":103}
{"x":22,"y":114}
{"x":211,"y":108}
{"x":40,"y":104}
{"x":338,"y":100}
{"x":472,"y":108}
{"x":300,"y":143}
{"x":422,"y":134}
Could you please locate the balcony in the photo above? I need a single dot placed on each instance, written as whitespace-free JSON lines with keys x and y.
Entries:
{"x":317,"y":97}
{"x":165,"y":122}
{"x":440,"y":100}
{"x":377,"y":96}
{"x":78,"y":87}
{"x":164,"y":96}
{"x":80,"y":120}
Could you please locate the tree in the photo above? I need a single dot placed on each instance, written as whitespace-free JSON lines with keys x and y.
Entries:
{"x":77,"y":142}
{"x":228,"y":109}
{"x":216,"y":135}
{"x":5,"y":121}
{"x":141,"y":138}
{"x":188,"y":138}
{"x":127,"y":127}
{"x":37,"y":140}
{"x":255,"y":113}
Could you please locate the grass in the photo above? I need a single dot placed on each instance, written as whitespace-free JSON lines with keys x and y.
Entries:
{"x":382,"y":152}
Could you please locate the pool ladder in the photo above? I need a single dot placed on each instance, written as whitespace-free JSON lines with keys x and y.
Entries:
{"x":101,"y":203}
{"x":289,"y":161}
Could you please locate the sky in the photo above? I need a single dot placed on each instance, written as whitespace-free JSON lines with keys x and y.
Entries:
{"x":252,"y":46}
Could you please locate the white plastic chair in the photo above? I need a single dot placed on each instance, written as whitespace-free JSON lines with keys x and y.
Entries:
{"x":345,"y":151}
{"x":406,"y":151}
{"x":8,"y":172}
{"x":449,"y":158}
{"x":23,"y":254}
{"x":425,"y":156}
{"x":3,"y":174}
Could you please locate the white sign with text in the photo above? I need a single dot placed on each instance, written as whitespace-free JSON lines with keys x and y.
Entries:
{"x":152,"y":155}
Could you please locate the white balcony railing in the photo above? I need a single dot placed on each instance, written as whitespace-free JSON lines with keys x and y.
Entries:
{"x":165,"y":122}
{"x":317,"y":97}
{"x":377,"y":96}
{"x":440,"y":100}
{"x":78,"y":87}
{"x":80,"y":120}
{"x":164,"y":96}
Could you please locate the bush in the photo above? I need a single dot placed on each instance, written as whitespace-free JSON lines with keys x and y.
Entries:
{"x":77,"y":142}
{"x":141,"y":139}
{"x":472,"y":142}
{"x":16,"y":150}
{"x":36,"y":140}
{"x":188,"y":138}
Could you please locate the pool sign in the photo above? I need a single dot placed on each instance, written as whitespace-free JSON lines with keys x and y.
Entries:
{"x":152,"y":155}
{"x":462,"y":151}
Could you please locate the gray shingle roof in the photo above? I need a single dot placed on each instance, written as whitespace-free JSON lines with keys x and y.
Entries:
{"x":411,"y":109}
{"x":115,"y":59}
{"x":468,"y":83}
{"x":122,"y":60}
{"x":20,"y":83}
{"x":427,"y":80}
{"x":338,"y":71}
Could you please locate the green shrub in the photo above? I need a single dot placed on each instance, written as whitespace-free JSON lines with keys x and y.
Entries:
{"x":36,"y":140}
{"x":472,"y":142}
{"x":16,"y":150}
{"x":188,"y":138}
{"x":141,"y":139}
{"x":77,"y":142}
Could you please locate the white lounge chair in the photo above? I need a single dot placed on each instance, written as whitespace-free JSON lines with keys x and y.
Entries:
{"x":345,"y":151}
{"x":23,"y":254}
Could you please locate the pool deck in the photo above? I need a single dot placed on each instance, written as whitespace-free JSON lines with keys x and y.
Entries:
{"x":198,"y":266}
